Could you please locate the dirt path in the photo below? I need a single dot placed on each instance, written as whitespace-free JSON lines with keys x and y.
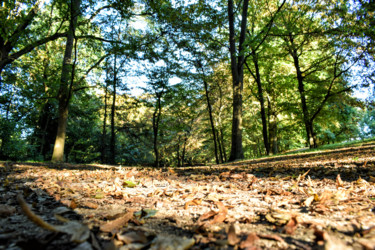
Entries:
{"x":308,"y":201}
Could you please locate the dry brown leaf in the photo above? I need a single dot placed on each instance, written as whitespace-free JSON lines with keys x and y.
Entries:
{"x":291,"y":226}
{"x":368,"y":244}
{"x":69,"y":203}
{"x":221,"y":215}
{"x":171,"y":242}
{"x":194,"y":202}
{"x":133,"y":237}
{"x":271,"y":237}
{"x":308,"y":201}
{"x":206,"y":216}
{"x":232,"y":237}
{"x":251,"y":239}
{"x":325,"y":196}
{"x":89,"y":204}
{"x":339,"y":182}
{"x":117,"y":223}
{"x":329,"y":241}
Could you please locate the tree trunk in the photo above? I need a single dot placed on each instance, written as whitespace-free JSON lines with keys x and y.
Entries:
{"x":220,"y":147}
{"x":104,"y":133}
{"x":273,"y":133}
{"x":261,"y":100}
{"x":178,"y":152}
{"x":223,"y":145}
{"x":155,"y":126}
{"x":211,"y":120}
{"x":237,"y":78}
{"x":305,"y":111}
{"x":64,"y":90}
{"x":113,"y":114}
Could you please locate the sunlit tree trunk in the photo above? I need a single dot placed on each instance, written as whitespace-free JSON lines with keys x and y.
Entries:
{"x":65,"y":90}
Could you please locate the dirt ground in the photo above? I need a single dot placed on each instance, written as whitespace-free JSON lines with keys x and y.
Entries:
{"x":321,"y":200}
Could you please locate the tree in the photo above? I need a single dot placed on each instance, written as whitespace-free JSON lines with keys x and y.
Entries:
{"x":318,"y":62}
{"x":16,"y":21}
{"x":237,"y":64}
{"x":66,"y":83}
{"x":257,"y":37}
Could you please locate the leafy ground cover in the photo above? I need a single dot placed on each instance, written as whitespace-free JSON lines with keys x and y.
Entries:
{"x":316,"y":200}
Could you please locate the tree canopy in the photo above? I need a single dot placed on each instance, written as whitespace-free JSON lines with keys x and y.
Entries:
{"x":171,"y":82}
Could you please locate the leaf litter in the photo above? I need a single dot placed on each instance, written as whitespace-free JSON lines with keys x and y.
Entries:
{"x":311,"y":201}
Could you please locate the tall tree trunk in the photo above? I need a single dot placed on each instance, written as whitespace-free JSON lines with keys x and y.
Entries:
{"x":272,"y":129}
{"x":301,"y":89}
{"x":65,"y":90}
{"x":178,"y":152}
{"x":220,"y":147}
{"x":155,"y":126}
{"x":305,"y":111}
{"x":104,"y":133}
{"x":261,"y":100}
{"x":113,"y":114}
{"x":223,"y":144}
{"x":237,"y":78}
{"x":211,"y":120}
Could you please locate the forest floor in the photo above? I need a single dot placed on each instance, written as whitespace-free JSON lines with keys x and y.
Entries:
{"x":320,"y":200}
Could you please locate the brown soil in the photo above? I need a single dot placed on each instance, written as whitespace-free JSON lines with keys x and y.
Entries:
{"x":322,"y":200}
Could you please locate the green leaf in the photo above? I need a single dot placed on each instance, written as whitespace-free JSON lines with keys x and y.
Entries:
{"x":145,"y":213}
{"x":129,"y":184}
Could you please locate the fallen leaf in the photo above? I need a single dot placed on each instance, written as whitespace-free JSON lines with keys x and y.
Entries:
{"x":221,"y":215}
{"x":291,"y":226}
{"x":129,"y":184}
{"x":89,"y":204}
{"x":271,"y":237}
{"x":308,"y":201}
{"x":251,"y":239}
{"x":117,"y":223}
{"x":194,"y":202}
{"x":368,"y":244}
{"x":132,"y":237}
{"x":171,"y":242}
{"x":206,"y":216}
{"x":145,"y":213}
{"x":329,"y":241}
{"x":232,"y":237}
{"x":339,"y":182}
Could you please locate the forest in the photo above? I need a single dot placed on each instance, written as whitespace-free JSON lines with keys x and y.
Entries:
{"x":175,"y":83}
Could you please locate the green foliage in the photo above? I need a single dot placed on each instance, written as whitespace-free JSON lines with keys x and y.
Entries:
{"x":186,"y":41}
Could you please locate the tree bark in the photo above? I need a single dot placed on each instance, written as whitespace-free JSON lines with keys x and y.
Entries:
{"x":113,"y":114}
{"x":104,"y":131}
{"x":211,"y":120}
{"x":261,"y":100}
{"x":305,"y":111}
{"x":237,"y":79}
{"x":65,"y":90}
{"x":155,"y":126}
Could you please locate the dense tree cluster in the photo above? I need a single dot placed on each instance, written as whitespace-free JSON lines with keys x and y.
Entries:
{"x":223,"y":80}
